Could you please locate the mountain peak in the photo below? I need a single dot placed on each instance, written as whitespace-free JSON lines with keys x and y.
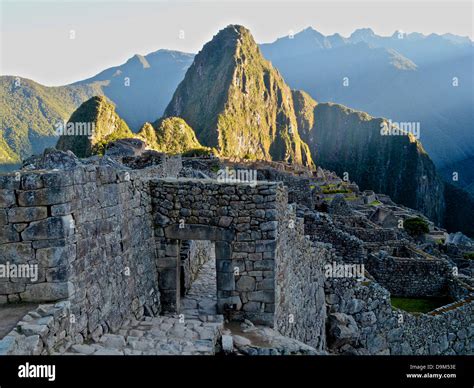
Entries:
{"x":362,"y":34}
{"x":233,"y":32}
{"x":91,"y":126}
{"x":237,"y":102}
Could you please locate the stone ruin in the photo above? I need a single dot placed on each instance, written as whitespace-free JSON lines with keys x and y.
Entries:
{"x":116,"y":244}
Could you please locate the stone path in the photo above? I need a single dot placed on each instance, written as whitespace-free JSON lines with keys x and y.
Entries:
{"x":247,"y":339}
{"x":163,"y":335}
{"x":195,"y":331}
{"x":11,"y":314}
{"x":201,"y":300}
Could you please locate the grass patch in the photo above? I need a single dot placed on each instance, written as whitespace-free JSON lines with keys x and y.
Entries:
{"x":375,"y":203}
{"x":419,"y":305}
{"x":351,"y":198}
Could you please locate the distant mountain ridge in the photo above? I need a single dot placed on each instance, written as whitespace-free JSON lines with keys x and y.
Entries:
{"x":142,"y":87}
{"x":403,"y":77}
{"x":30,"y":111}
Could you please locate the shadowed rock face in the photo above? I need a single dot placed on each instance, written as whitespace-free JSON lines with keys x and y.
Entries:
{"x":237,"y":102}
{"x":345,"y":140}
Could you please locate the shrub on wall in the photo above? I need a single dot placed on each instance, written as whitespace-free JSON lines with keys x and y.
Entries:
{"x":416,"y":226}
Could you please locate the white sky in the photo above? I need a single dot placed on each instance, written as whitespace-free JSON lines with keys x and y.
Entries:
{"x":35,"y":35}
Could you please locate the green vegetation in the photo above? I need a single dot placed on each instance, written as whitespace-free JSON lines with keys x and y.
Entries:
{"x":416,"y":226}
{"x":175,"y":136}
{"x":334,"y":189}
{"x":469,"y":256}
{"x":148,"y":135}
{"x":419,"y":305}
{"x":30,"y":111}
{"x":351,"y":198}
{"x":251,"y":113}
{"x":375,"y":203}
{"x":108,"y":126}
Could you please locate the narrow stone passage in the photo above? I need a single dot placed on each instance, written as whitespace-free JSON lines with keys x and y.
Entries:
{"x":195,"y":330}
{"x":201,"y":300}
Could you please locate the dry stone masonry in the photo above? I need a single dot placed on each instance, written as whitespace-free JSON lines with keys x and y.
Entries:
{"x":142,"y":255}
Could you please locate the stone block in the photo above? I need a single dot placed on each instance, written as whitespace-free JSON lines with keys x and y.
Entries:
{"x":264,"y":265}
{"x":262,"y":296}
{"x":7,"y":288}
{"x":46,"y":196}
{"x":10,"y":181}
{"x":245,"y":283}
{"x":265,"y":246}
{"x":7,"y":198}
{"x":270,"y":225}
{"x":225,"y":281}
{"x":224,"y":266}
{"x":45,"y":292}
{"x":31,"y":181}
{"x":3,"y":217}
{"x":27,"y":214}
{"x":168,"y":278}
{"x":225,"y":221}
{"x":199,"y":232}
{"x":222,"y":250}
{"x":49,"y":228}
{"x":8,"y":234}
{"x":16,"y":253}
{"x":58,"y":178}
{"x":252,"y":307}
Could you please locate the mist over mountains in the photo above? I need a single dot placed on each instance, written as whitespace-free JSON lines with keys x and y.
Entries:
{"x":235,"y":100}
{"x":404,"y":77}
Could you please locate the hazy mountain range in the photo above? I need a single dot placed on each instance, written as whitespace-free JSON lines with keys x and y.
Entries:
{"x":232,"y":98}
{"x":404,"y":77}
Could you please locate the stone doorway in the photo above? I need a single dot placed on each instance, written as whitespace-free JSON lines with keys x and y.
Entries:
{"x":220,"y":264}
{"x":199,"y":301}
{"x":241,"y":220}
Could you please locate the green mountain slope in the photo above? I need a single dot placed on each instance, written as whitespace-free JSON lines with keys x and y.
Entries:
{"x":98,"y":116}
{"x":29,"y":112}
{"x":175,"y":136}
{"x":237,"y":102}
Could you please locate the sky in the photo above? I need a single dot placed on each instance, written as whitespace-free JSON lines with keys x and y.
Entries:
{"x":60,"y":42}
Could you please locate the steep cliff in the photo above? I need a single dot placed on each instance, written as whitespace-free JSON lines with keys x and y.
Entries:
{"x":237,"y":102}
{"x":345,"y":140}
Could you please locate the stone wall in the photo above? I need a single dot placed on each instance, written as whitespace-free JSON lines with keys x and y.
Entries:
{"x":242,"y":221}
{"x":410,"y":277}
{"x":320,"y":227}
{"x":300,"y":309}
{"x":89,"y":231}
{"x":362,"y":321}
{"x":45,"y":330}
